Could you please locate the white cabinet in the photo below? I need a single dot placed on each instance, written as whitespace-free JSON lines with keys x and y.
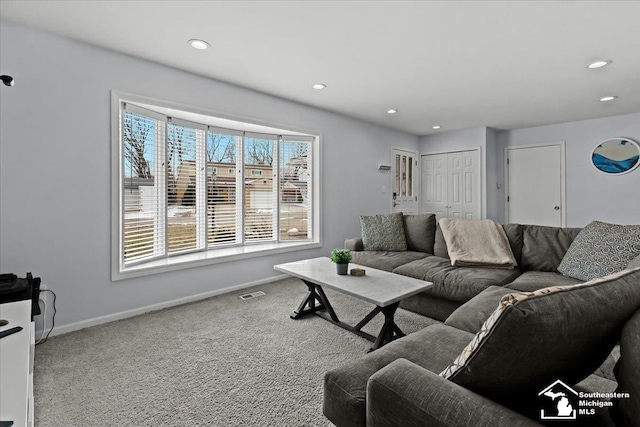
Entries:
{"x":16,"y":364}
{"x":451,"y":184}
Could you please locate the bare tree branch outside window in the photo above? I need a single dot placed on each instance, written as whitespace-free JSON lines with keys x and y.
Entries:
{"x":136,"y":133}
{"x":221,"y":148}
{"x":259,"y":152}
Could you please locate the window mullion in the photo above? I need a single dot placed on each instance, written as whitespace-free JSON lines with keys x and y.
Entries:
{"x":163,"y":170}
{"x":201,"y":189}
{"x":240,"y":190}
{"x":275,"y":166}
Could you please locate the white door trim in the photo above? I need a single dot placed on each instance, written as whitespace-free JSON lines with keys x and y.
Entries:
{"x":483,"y":174}
{"x":416,"y":172}
{"x":563,"y":193}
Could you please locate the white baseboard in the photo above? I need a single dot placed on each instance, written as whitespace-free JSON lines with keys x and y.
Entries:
{"x":65,"y":329}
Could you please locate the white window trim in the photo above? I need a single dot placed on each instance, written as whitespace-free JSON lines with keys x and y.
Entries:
{"x":212,"y":256}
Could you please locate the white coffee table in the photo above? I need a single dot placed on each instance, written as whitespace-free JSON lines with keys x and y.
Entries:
{"x":378,"y":287}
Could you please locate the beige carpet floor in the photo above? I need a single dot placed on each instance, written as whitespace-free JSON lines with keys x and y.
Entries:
{"x":218,"y":362}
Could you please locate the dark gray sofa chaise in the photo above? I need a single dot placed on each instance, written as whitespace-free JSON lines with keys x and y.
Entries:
{"x":538,"y":251}
{"x":399,"y":384}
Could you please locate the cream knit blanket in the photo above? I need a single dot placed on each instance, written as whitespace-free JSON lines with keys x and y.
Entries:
{"x":477,"y":243}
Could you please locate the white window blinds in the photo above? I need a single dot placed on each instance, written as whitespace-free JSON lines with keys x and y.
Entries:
{"x":186,"y":186}
{"x":143,"y":195}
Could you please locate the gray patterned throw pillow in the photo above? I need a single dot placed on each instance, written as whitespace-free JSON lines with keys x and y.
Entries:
{"x":601,"y":249}
{"x":383,"y":232}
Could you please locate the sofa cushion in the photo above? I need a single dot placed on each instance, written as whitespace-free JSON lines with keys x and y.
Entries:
{"x":601,"y":249}
{"x":419,"y":231}
{"x":535,"y":338}
{"x":430,"y":306}
{"x":458,"y":284}
{"x":472,"y":314}
{"x":440,"y":245}
{"x":626,"y":412}
{"x":432,"y":348}
{"x":544,"y":247}
{"x":384,"y":260}
{"x":354,"y":244}
{"x":531,"y":281}
{"x":514,"y":234}
{"x":383,"y":232}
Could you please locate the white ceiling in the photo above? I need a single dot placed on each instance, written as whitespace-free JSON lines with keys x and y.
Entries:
{"x":502,"y":64}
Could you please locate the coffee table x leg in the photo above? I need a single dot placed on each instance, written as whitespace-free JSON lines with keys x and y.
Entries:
{"x":316,"y":300}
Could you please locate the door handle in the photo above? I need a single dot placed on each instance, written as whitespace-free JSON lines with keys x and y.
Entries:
{"x":556,"y":208}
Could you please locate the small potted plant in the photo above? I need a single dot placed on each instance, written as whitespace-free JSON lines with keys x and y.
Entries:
{"x":341,"y":257}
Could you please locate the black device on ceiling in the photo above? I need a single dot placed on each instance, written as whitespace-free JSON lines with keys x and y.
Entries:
{"x":7,"y":80}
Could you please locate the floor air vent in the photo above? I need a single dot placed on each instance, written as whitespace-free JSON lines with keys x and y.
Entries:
{"x":252,"y":295}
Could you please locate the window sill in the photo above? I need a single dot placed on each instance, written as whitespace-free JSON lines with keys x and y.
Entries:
{"x":213,"y":256}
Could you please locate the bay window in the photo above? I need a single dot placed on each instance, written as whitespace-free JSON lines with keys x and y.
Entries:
{"x":191,"y":192}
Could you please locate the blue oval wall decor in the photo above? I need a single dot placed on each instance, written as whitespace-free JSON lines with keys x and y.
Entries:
{"x":616,"y":156}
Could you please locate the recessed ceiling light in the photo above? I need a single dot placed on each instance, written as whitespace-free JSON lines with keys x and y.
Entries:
{"x":392,"y":111}
{"x":599,"y":64}
{"x":319,"y":86}
{"x":436,"y":127}
{"x":608,"y":98}
{"x":198,"y":44}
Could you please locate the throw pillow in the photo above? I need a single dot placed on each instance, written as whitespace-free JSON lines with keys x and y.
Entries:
{"x":383,"y":232}
{"x":420,"y":232}
{"x":535,"y":338}
{"x":600,"y":249}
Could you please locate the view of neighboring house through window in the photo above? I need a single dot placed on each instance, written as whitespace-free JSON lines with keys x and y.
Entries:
{"x":186,"y":186}
{"x":295,"y":187}
{"x":222,"y":209}
{"x":260,"y":191}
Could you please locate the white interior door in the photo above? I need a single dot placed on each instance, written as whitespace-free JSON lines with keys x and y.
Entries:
{"x":451,"y":185}
{"x":403,"y":168}
{"x":434,"y":185}
{"x":535,"y":185}
{"x":464,"y":184}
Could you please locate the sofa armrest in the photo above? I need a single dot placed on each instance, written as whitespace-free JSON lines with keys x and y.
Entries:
{"x":354,"y":244}
{"x":403,"y":393}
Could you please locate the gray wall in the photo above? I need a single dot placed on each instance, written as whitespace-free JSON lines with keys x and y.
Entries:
{"x":591,"y":195}
{"x":55,"y":170}
{"x":454,"y":140}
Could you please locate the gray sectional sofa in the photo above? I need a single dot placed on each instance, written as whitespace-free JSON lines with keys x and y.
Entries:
{"x":538,"y":251}
{"x":488,"y":367}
